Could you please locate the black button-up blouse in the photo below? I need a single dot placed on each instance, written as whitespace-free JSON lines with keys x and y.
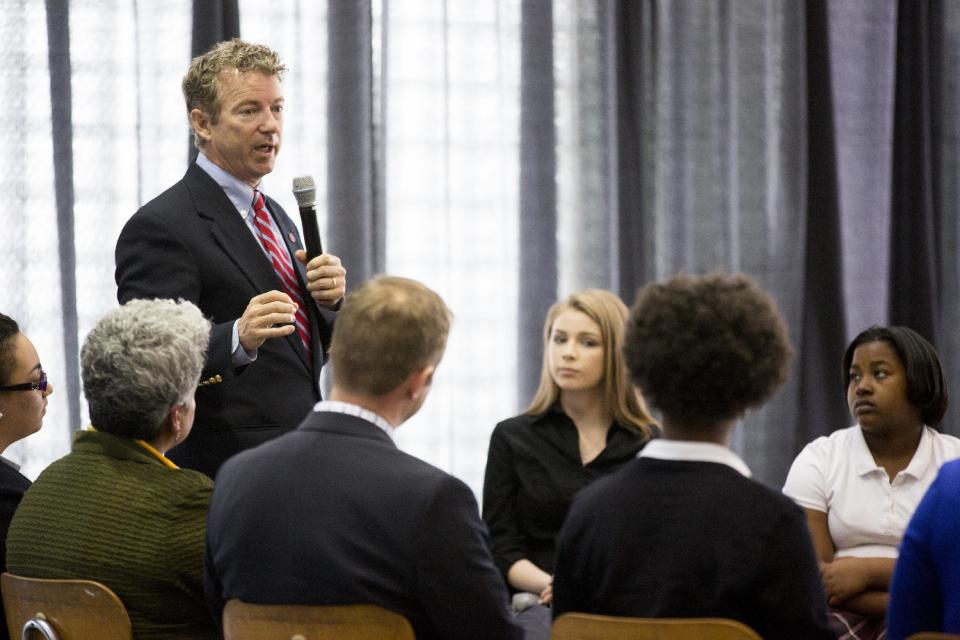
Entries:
{"x":533,"y":471}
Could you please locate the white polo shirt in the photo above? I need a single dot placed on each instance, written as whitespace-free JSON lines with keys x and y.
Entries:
{"x":866,"y":512}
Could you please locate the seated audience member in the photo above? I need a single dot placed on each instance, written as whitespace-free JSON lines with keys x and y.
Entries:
{"x":333,"y":513}
{"x":114,"y":509}
{"x":925,"y":591}
{"x":23,"y":402}
{"x":682,"y":531}
{"x":860,"y":485}
{"x":585,"y":421}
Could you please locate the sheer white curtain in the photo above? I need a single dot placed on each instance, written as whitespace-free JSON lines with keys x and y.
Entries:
{"x":297,"y":31}
{"x":450,"y":77}
{"x":452,"y":134}
{"x":129,"y":142}
{"x":30,"y":267}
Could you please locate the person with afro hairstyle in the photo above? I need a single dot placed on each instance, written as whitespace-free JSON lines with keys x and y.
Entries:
{"x":860,"y":485}
{"x":682,"y":531}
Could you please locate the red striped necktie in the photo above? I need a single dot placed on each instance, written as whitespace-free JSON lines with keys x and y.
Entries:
{"x":284,"y":268}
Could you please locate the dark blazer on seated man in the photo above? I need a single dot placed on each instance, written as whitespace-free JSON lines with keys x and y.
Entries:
{"x":334,"y":513}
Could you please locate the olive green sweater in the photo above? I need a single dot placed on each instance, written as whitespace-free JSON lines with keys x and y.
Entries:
{"x":111,"y":511}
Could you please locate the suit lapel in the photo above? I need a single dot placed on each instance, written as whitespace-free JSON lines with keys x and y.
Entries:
{"x":232,"y":234}
{"x":230,"y":231}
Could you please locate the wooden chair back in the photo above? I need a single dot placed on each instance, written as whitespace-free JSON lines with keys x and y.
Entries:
{"x":934,"y":635}
{"x":62,"y":610}
{"x":584,"y":626}
{"x":243,"y":621}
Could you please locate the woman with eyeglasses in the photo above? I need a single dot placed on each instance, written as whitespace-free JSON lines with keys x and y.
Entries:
{"x":115,"y":509}
{"x":23,"y":401}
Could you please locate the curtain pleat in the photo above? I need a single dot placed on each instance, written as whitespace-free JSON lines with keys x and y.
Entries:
{"x":822,"y":339}
{"x":355,"y":229}
{"x":538,"y":190}
{"x":213,"y":21}
{"x":913,"y":251}
{"x":58,"y":39}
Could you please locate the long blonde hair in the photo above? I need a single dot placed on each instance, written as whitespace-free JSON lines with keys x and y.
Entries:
{"x":620,"y":396}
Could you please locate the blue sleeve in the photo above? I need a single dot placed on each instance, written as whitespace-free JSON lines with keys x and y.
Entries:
{"x":916,"y":600}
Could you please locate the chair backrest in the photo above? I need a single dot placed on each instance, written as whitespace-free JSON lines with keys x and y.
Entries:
{"x":934,"y":635}
{"x":243,"y":621}
{"x":63,"y":609}
{"x":585,"y":626}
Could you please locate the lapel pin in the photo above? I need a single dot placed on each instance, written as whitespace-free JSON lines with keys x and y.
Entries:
{"x":292,"y":237}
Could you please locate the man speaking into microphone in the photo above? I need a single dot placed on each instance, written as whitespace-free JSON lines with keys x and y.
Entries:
{"x":214,"y":239}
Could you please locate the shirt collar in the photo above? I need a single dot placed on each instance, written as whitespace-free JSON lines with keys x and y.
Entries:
{"x":923,"y":456}
{"x":336,"y":406}
{"x":686,"y":451}
{"x":239,"y":192}
{"x":10,"y":463}
{"x":865,"y":464}
{"x":164,"y":460}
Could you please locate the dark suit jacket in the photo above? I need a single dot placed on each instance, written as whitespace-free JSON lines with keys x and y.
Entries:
{"x":189,"y":242}
{"x":13,"y":484}
{"x":334,"y":513}
{"x":679,"y":539}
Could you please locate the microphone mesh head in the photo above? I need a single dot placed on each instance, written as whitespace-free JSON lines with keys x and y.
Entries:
{"x":305,"y":191}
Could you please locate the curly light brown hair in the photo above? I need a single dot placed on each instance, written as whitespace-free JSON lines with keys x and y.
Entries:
{"x":705,"y":348}
{"x":621,"y":398}
{"x":201,"y":84}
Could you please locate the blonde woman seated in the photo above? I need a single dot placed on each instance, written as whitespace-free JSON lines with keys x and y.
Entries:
{"x":585,"y":421}
{"x":114,"y":509}
{"x":859,"y":486}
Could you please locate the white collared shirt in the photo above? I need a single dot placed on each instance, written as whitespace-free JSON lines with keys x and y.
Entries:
{"x":866,"y":512}
{"x":687,"y":451}
{"x":335,"y":406}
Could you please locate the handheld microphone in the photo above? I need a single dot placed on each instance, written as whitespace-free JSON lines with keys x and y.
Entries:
{"x":305,"y":191}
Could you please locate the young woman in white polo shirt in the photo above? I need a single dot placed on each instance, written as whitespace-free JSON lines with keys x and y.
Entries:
{"x":859,"y":486}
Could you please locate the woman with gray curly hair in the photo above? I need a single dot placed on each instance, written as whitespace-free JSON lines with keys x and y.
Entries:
{"x":115,"y":509}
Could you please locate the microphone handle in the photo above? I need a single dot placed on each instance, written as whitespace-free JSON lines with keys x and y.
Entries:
{"x":311,"y":234}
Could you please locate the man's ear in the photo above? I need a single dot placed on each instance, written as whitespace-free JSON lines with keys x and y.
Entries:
{"x":200,"y":122}
{"x":419,"y":381}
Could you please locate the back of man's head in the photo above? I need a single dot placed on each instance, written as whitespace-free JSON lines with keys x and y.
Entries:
{"x":387,"y":329}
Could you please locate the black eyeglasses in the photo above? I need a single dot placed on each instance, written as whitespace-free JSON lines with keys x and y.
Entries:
{"x":36,"y":385}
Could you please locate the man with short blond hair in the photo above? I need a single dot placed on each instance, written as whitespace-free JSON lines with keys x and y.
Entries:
{"x":333,"y":513}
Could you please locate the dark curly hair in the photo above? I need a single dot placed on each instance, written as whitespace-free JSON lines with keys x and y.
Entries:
{"x":705,"y":348}
{"x":8,"y":359}
{"x":926,"y":386}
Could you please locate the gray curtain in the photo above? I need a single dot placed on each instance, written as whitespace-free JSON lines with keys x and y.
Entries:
{"x":538,"y":190}
{"x":354,"y":161}
{"x":810,"y":145}
{"x":61,"y":101}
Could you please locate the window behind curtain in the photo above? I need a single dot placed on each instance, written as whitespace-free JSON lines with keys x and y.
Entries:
{"x":296,"y":30}
{"x":451,"y":88}
{"x":449,"y":72}
{"x":29,"y":267}
{"x":129,"y":143}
